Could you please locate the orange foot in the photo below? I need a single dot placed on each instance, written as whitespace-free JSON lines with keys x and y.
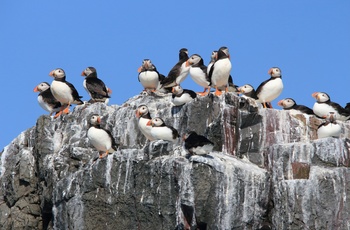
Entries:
{"x":218,"y":92}
{"x":103,"y":155}
{"x":66,"y":110}
{"x":58,"y":114}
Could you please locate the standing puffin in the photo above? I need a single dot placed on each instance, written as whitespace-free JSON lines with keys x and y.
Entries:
{"x":198,"y":72}
{"x":330,"y":128}
{"x":324,"y":105}
{"x":149,"y":76}
{"x":143,"y":115}
{"x":63,"y":91}
{"x":95,"y":87}
{"x":181,"y":96}
{"x":100,"y":138}
{"x":179,"y":72}
{"x":197,"y":144}
{"x":220,"y":70}
{"x":45,"y":98}
{"x":289,"y":103}
{"x":270,"y":89}
{"x":161,"y":131}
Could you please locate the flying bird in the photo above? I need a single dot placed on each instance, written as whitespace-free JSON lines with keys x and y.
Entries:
{"x":161,"y":131}
{"x":220,"y":70}
{"x":197,"y":144}
{"x":149,"y":76}
{"x":181,"y":96}
{"x":289,"y":103}
{"x":63,"y":91}
{"x":143,"y":115}
{"x":95,"y":87}
{"x":270,"y":89}
{"x":101,"y":138}
{"x":330,"y":128}
{"x":198,"y":72}
{"x":323,"y":106}
{"x":179,"y":72}
{"x":45,"y":98}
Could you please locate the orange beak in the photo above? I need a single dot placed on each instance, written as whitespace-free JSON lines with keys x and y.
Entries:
{"x":36,"y":89}
{"x":52,"y":73}
{"x":173,"y":90}
{"x":270,"y":71}
{"x":138,"y":114}
{"x":314,"y":95}
{"x":99,"y":120}
{"x":280,"y":103}
{"x":109,"y":91}
{"x":187,"y":63}
{"x":240,"y":90}
{"x":149,"y":123}
{"x":139,"y":69}
{"x":83,"y":73}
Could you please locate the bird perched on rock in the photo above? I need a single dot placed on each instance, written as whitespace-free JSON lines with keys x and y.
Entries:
{"x":149,"y":76}
{"x":330,"y":128}
{"x":289,"y":103}
{"x":100,"y":138}
{"x":197,"y":144}
{"x":63,"y":91}
{"x":181,"y":96}
{"x":179,"y":72}
{"x":45,"y":98}
{"x":220,"y":70}
{"x":248,"y":91}
{"x":324,"y":105}
{"x":95,"y":87}
{"x":270,"y":89}
{"x":198,"y":72}
{"x":143,"y":115}
{"x":161,"y":131}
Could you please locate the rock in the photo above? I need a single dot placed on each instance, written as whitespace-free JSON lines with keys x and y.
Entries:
{"x":267,"y":171}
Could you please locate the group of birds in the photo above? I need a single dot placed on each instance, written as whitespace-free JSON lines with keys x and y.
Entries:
{"x":60,"y":95}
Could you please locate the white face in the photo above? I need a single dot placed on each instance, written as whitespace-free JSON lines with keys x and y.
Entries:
{"x":143,"y":109}
{"x":322,"y":97}
{"x":58,"y":73}
{"x":275,"y":72}
{"x":87,"y":71}
{"x":246,"y":88}
{"x":287,"y":103}
{"x":157,"y":121}
{"x":213,"y":55}
{"x":95,"y":119}
{"x":177,"y":90}
{"x":43,"y":86}
{"x":194,"y":59}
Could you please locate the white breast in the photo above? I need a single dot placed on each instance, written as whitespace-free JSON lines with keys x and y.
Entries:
{"x":271,"y":90}
{"x":221,"y":73}
{"x":149,"y":79}
{"x":330,"y":130}
{"x":162,"y":133}
{"x":184,"y":71}
{"x":99,"y":139}
{"x":183,"y":99}
{"x":62,"y":92}
{"x":323,"y":109}
{"x":85,"y":87}
{"x":198,"y":76}
{"x":145,"y":129}
{"x":202,"y":150}
{"x":44,"y":105}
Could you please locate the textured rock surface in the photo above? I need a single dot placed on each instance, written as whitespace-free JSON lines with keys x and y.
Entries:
{"x":267,"y":171}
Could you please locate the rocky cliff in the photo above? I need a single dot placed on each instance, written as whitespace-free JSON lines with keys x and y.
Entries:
{"x":268,"y":171}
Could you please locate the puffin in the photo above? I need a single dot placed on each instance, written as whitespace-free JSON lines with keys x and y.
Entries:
{"x":149,"y":76}
{"x":181,"y":96}
{"x":95,"y":87}
{"x":197,"y":144}
{"x":63,"y":91}
{"x":100,"y":138}
{"x":270,"y":89}
{"x":324,"y":105}
{"x":330,"y":128}
{"x":198,"y":73}
{"x":289,"y":103}
{"x":45,"y":98}
{"x":248,"y":91}
{"x":143,"y":115}
{"x":179,"y":72}
{"x":220,"y":70}
{"x":161,"y":131}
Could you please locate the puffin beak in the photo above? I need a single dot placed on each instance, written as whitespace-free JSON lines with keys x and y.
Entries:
{"x":280,"y":103}
{"x":138,"y":114}
{"x":149,"y":123}
{"x":173,"y":90}
{"x":139,"y":69}
{"x":240,"y":90}
{"x":270,"y":71}
{"x":83,"y":73}
{"x":52,"y":73}
{"x":109,"y":91}
{"x":187,"y":63}
{"x":314,"y":95}
{"x":99,"y":120}
{"x":36,"y":89}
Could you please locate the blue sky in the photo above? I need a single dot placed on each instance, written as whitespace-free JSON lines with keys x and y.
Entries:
{"x":308,"y":40}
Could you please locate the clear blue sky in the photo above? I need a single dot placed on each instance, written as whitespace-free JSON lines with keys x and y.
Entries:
{"x":308,"y":40}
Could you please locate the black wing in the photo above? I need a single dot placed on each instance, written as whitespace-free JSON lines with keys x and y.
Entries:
{"x":97,"y":88}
